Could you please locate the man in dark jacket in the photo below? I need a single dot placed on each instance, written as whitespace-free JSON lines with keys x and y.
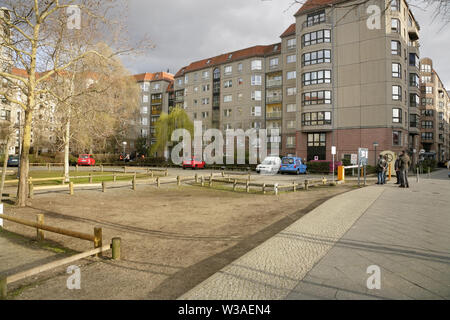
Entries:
{"x":397,"y":169}
{"x":404,"y":168}
{"x":381,"y":168}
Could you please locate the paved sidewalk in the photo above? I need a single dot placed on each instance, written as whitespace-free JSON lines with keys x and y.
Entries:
{"x":325,"y":255}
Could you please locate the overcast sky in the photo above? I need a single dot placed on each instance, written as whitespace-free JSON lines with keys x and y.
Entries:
{"x":184,"y":31}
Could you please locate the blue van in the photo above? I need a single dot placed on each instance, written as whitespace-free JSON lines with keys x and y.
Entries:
{"x":292,"y":165}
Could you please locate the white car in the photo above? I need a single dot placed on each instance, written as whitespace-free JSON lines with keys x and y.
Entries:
{"x":270,"y":165}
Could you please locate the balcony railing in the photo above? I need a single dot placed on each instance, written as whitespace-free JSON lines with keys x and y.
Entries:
{"x":308,"y":24}
{"x":157,"y":101}
{"x":274,"y":99}
{"x":274,"y":83}
{"x":273,"y":115}
{"x":179,"y":99}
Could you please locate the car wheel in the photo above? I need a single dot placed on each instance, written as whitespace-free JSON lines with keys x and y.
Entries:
{"x":184,"y":168}
{"x":193,"y":167}
{"x":298,"y":172}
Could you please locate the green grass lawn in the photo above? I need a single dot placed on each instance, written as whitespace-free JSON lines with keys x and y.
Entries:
{"x":73,"y":175}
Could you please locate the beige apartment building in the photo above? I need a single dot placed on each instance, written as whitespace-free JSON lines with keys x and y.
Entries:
{"x":156,"y":91}
{"x":341,"y":76}
{"x":435,"y":113}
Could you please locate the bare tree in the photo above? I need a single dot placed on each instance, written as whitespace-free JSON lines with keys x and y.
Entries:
{"x":7,"y":131}
{"x":39,"y":35}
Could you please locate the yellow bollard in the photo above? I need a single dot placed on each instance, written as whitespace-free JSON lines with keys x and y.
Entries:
{"x":341,"y":173}
{"x":390,"y":171}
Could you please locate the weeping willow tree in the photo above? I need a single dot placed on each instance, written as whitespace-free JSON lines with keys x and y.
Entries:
{"x":166,"y":125}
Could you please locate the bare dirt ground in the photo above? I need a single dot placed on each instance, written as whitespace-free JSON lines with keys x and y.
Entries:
{"x":172,"y":238}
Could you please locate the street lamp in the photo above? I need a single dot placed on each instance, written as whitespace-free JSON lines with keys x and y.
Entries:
{"x":124,"y":146}
{"x":375,"y":144}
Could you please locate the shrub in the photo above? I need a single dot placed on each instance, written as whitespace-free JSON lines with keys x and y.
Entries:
{"x":318,"y":167}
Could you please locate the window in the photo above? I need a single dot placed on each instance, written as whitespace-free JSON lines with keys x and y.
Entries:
{"x":227,"y":126}
{"x":256,"y":80}
{"x":316,"y":77}
{"x":414,"y":60}
{"x":291,"y":107}
{"x":414,"y":100}
{"x":395,"y":6}
{"x":414,"y":80}
{"x":256,"y":65}
{"x":316,"y":97}
{"x":290,"y":124}
{"x":425,"y":68}
{"x":256,"y":125}
{"x":195,"y":89}
{"x":240,"y":67}
{"x":228,"y":98}
{"x":396,"y":48}
{"x":291,"y":91}
{"x":157,"y":86}
{"x":205,"y":87}
{"x":145,"y":86}
{"x":145,"y":98}
{"x":292,"y":43}
{"x":290,"y":142}
{"x":316,"y":118}
{"x":396,"y":70}
{"x":291,"y":75}
{"x":186,"y":79}
{"x":144,"y":121}
{"x":205,"y":114}
{"x":205,"y":101}
{"x":427,"y":101}
{"x":315,"y":18}
{"x":216,"y":74}
{"x":427,"y":113}
{"x":5,"y":115}
{"x":316,"y":37}
{"x":273,"y":63}
{"x":427,"y":124}
{"x":240,"y":96}
{"x":316,"y":140}
{"x":428,"y":90}
{"x":397,"y":115}
{"x":195,"y":102}
{"x":256,"y":95}
{"x":427,"y":135}
{"x":396,"y":138}
{"x":316,"y":57}
{"x":426,"y":79}
{"x":240,"y":81}
{"x":256,"y":111}
{"x":144,"y":110}
{"x":228,"y":84}
{"x":395,"y":25}
{"x":205,"y":75}
{"x":227,"y":113}
{"x":180,"y":82}
{"x":291,"y":58}
{"x":397,"y":93}
{"x":414,"y":120}
{"x":228,"y":70}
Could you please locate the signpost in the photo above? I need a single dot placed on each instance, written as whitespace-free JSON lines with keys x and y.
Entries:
{"x":333,"y":152}
{"x":363,"y":160}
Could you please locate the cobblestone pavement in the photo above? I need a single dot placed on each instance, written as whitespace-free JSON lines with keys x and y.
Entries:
{"x":326,"y":254}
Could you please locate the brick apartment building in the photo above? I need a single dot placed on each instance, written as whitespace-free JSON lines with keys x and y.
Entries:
{"x":330,"y":81}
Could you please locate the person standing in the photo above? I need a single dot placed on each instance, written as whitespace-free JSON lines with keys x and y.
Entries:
{"x":404,"y":168}
{"x":381,"y":166}
{"x":397,"y":169}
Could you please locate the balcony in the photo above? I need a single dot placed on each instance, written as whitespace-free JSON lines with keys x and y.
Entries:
{"x":274,"y":99}
{"x":273,"y":115}
{"x":274,"y":83}
{"x":322,"y":20}
{"x":413,"y":33}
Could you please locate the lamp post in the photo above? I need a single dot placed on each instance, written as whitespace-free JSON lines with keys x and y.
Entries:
{"x":20,"y":143}
{"x":375,"y":144}
{"x":124,"y":146}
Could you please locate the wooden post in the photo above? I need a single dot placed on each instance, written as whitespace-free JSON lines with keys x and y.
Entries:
{"x":196,"y":178}
{"x":71,"y":188}
{"x":133,"y":182}
{"x":178,"y":181}
{"x":101,"y":168}
{"x":166,"y":173}
{"x":247,"y":186}
{"x":264,"y":188}
{"x":306,"y":185}
{"x":76,"y":168}
{"x":90,"y":177}
{"x":249,"y":176}
{"x":48,"y":166}
{"x":202,"y":181}
{"x":40,"y":233}
{"x":114,"y":177}
{"x":152,"y":174}
{"x":223,"y":174}
{"x":324,"y":181}
{"x":3,"y":288}
{"x":234,"y":184}
{"x":30,"y":190}
{"x":211,"y":181}
{"x":157,"y":182}
{"x":98,"y":241}
{"x":294,"y":186}
{"x":124,"y":169}
{"x":275,"y":189}
{"x":116,"y":248}
{"x":103,"y":186}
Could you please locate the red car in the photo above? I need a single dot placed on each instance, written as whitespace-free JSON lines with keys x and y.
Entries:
{"x":86,"y":160}
{"x":194,"y":164}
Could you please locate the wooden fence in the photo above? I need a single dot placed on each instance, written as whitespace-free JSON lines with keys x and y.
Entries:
{"x":96,"y":238}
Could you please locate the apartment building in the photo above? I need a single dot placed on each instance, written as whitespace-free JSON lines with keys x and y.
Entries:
{"x":333,"y":80}
{"x":155,"y":97}
{"x":435,"y":112}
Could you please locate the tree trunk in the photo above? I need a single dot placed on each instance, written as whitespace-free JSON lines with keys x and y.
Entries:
{"x":5,"y":166}
{"x":22,"y":191}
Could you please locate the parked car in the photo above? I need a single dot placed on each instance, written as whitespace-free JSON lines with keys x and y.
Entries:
{"x":193,"y":164}
{"x":270,"y":165}
{"x":86,"y":160}
{"x":293,"y":165}
{"x":13,"y":161}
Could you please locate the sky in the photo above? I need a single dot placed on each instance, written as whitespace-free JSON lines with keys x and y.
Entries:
{"x":184,"y":31}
